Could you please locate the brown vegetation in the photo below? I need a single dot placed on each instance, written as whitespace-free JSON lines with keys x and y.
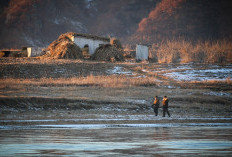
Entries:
{"x":13,"y":53}
{"x":108,"y":53}
{"x":116,"y":43}
{"x":216,"y":85}
{"x":2,"y":54}
{"x":189,"y":20}
{"x":58,"y":84}
{"x":114,"y":81}
{"x":64,"y":48}
{"x":185,"y":52}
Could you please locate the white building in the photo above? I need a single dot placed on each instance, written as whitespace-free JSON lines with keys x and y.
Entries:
{"x":93,"y":42}
{"x":142,"y":52}
{"x":35,"y":51}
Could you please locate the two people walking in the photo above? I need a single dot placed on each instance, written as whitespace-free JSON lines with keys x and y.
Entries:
{"x":156,"y":104}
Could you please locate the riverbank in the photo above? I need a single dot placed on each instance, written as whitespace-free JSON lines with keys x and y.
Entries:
{"x":32,"y":87}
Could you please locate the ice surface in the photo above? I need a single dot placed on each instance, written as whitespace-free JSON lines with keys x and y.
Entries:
{"x":116,"y":118}
{"x":118,"y":140}
{"x":95,"y":126}
{"x":100,"y":126}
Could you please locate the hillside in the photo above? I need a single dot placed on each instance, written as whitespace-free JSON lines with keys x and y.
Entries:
{"x":186,"y":19}
{"x":39,"y":22}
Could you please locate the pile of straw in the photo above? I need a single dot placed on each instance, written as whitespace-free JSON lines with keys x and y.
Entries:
{"x":63,"y":48}
{"x":108,"y":53}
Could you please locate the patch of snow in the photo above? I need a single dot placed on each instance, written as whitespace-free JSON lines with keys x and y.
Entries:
{"x":145,"y":70}
{"x":184,"y":67}
{"x":218,"y":94}
{"x":200,"y":75}
{"x":137,"y":101}
{"x":171,"y":68}
{"x":159,"y":81}
{"x":119,"y":70}
{"x":171,"y":87}
{"x":59,"y":70}
{"x":139,"y":76}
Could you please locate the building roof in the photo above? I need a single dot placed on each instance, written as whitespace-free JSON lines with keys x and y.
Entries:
{"x":144,"y":45}
{"x":89,"y":36}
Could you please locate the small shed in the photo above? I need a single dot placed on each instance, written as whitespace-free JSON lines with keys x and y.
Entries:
{"x":90,"y":41}
{"x":142,"y":52}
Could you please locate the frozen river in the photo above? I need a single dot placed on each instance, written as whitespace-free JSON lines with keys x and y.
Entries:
{"x":172,"y":139}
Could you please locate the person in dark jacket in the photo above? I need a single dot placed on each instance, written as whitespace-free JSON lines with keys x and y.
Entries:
{"x":165,"y":106}
{"x":155,"y":105}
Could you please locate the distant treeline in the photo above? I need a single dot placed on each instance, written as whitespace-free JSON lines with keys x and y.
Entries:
{"x":186,"y":19}
{"x":183,"y":51}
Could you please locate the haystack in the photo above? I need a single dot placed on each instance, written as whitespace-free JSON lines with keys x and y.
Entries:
{"x":108,"y":53}
{"x":116,"y":43}
{"x":63,"y":48}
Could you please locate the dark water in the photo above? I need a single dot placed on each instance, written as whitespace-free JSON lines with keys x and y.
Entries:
{"x":117,"y":140}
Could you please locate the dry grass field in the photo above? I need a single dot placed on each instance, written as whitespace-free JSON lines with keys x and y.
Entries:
{"x":29,"y":84}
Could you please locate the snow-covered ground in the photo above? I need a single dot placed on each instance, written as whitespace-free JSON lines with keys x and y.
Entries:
{"x":201,"y":75}
{"x":191,"y":73}
{"x":186,"y":72}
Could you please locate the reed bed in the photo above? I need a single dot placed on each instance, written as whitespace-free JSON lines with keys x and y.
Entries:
{"x":186,"y":52}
